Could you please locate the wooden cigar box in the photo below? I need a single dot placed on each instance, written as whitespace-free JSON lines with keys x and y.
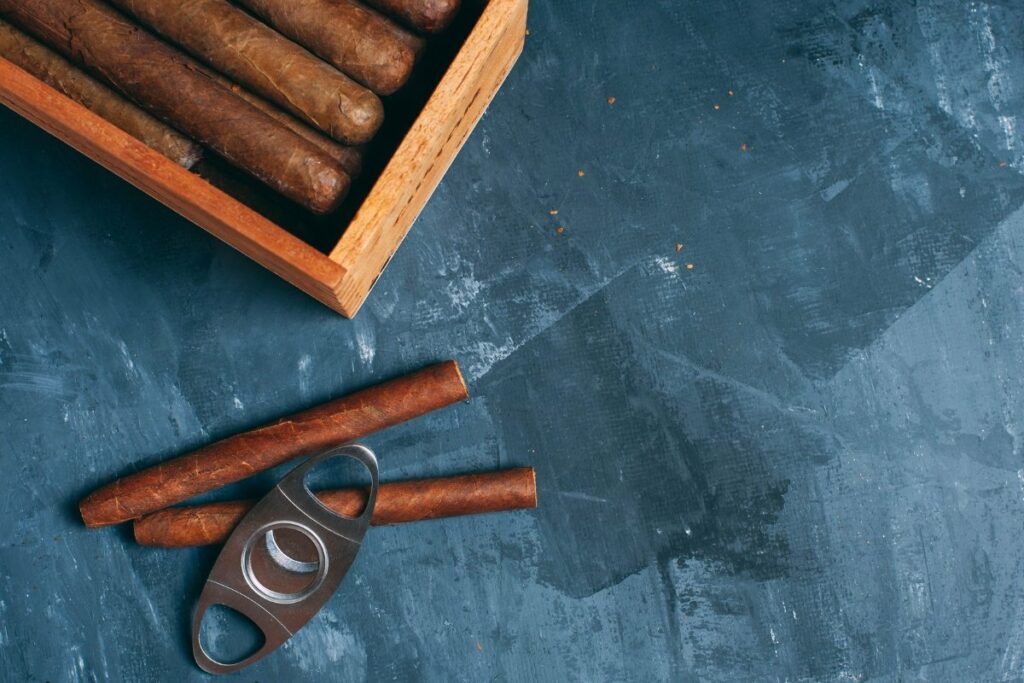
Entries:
{"x":338,"y":258}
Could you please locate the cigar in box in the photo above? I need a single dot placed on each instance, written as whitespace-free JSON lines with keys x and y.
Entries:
{"x":173,"y":87}
{"x":244,"y":455}
{"x":357,"y":40}
{"x":263,"y":61}
{"x":397,"y":503}
{"x":54,"y":70}
{"x":250,"y":192}
{"x":349,"y":157}
{"x":426,"y":16}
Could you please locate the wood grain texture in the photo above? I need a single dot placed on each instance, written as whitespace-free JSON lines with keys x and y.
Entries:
{"x":397,"y":503}
{"x":241,"y":456}
{"x":383,"y":220}
{"x":425,"y":154}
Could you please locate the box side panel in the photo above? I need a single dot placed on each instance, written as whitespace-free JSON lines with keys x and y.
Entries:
{"x":428,"y":150}
{"x":174,"y":186}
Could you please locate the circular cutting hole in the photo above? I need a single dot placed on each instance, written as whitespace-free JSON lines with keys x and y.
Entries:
{"x":284,"y":562}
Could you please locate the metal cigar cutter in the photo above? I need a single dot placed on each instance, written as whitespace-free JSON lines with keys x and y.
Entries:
{"x":284,"y":560}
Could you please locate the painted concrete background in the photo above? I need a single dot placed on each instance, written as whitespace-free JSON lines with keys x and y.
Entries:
{"x":789,"y":449}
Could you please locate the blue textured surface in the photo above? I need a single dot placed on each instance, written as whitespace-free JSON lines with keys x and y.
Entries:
{"x":801,"y":459}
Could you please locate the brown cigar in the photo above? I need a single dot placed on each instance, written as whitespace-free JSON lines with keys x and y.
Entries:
{"x":241,"y":456}
{"x":171,"y":86}
{"x":397,"y":503}
{"x":231,"y":181}
{"x":65,"y":77}
{"x":428,"y":16}
{"x":350,"y":158}
{"x":354,"y":38}
{"x":262,"y":60}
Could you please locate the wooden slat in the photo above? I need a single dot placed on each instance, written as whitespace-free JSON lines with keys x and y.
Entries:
{"x":181,"y":190}
{"x":429,"y":148}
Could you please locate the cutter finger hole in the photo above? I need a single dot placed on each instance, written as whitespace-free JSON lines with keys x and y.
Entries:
{"x":341,"y":483}
{"x":227,"y":636}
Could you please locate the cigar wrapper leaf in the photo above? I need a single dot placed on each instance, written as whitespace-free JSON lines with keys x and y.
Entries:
{"x":51,"y":68}
{"x":427,"y":16}
{"x":350,"y":158}
{"x":354,"y":38}
{"x":397,"y":503}
{"x":262,"y":60}
{"x":241,"y":456}
{"x":172,"y":87}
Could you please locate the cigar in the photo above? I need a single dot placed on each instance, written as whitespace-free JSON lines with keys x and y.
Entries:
{"x":66,"y":78}
{"x":231,"y":181}
{"x":428,"y":16}
{"x":244,"y":455}
{"x":261,"y":59}
{"x":359,"y":41}
{"x":397,"y":503}
{"x":171,"y":86}
{"x":350,"y":158}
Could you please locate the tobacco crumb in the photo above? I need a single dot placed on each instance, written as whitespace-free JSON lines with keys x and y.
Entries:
{"x":743,"y":147}
{"x":690,"y":266}
{"x":553,"y":212}
{"x":479,"y":647}
{"x":560,"y":230}
{"x":580,"y":173}
{"x":679,"y":248}
{"x":1003,"y":164}
{"x":611,"y":100}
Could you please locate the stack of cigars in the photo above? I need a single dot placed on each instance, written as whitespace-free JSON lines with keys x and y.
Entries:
{"x":286,"y":91}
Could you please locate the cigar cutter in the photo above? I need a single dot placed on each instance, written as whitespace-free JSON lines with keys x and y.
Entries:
{"x":284,"y":560}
